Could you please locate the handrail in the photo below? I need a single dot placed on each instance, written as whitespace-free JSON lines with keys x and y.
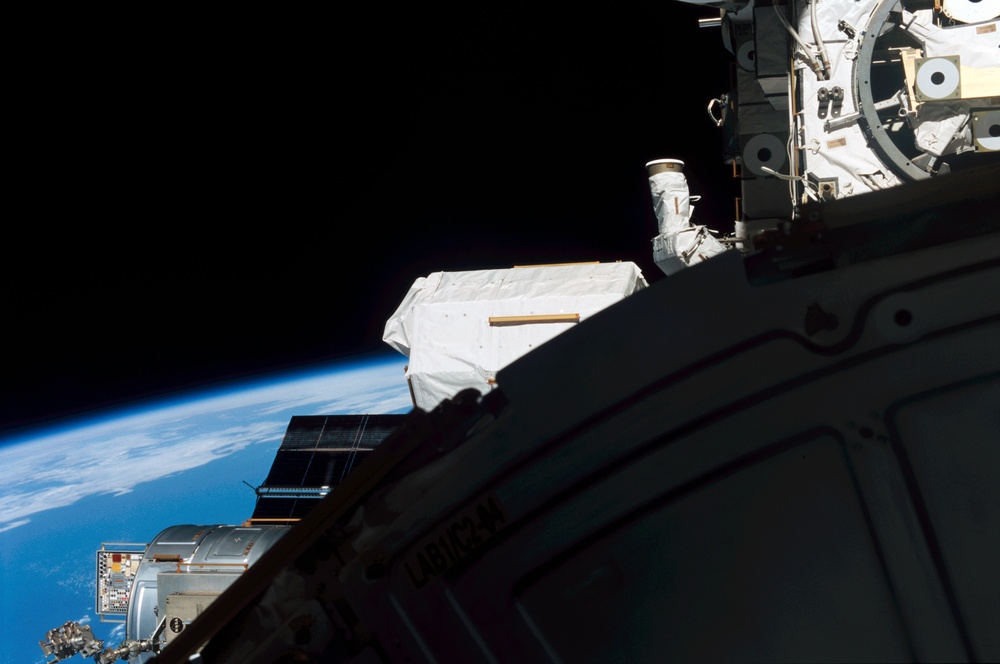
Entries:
{"x":243,"y":565}
{"x":536,"y":318}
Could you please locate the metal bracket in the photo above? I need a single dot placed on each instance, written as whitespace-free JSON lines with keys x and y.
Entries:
{"x":836,"y":100}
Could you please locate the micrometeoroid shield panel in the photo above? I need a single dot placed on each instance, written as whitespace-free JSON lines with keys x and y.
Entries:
{"x":115,"y":576}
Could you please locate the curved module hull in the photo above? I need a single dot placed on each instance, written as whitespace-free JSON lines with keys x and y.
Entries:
{"x":752,"y":460}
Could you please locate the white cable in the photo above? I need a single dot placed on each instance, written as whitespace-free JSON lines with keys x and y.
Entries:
{"x":792,"y":178}
{"x":780,"y":176}
{"x":792,"y":135}
{"x":820,"y":46}
{"x":806,"y":50}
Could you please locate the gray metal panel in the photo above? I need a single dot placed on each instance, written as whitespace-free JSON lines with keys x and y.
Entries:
{"x":765,"y":198}
{"x":706,"y":575}
{"x":950,"y":440}
{"x":771,"y":41}
{"x":238,"y":544}
{"x":181,"y":609}
{"x":758,"y":118}
{"x":169,"y":583}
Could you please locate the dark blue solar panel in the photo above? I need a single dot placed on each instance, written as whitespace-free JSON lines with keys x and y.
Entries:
{"x":316,"y":454}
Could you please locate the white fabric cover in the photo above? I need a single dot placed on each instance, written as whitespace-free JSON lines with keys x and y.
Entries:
{"x":975,"y":44}
{"x":442,"y":324}
{"x":843,"y":153}
{"x":671,"y":201}
{"x":941,"y":127}
{"x":944,"y":128}
{"x":680,"y":244}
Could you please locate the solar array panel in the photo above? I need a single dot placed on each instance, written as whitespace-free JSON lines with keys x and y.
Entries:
{"x":316,"y":454}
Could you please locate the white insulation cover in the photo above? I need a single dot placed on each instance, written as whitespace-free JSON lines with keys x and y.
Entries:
{"x":680,"y":243}
{"x":443,"y":323}
{"x":843,"y":153}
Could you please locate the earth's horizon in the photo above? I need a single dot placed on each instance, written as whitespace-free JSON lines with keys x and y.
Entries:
{"x":126,"y":474}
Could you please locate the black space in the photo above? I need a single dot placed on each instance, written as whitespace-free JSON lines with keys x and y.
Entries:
{"x":203,"y":198}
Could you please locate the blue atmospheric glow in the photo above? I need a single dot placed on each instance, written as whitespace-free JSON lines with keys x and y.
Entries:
{"x":140,"y":406}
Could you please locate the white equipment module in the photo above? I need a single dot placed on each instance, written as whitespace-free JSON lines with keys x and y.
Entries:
{"x":459,"y":328}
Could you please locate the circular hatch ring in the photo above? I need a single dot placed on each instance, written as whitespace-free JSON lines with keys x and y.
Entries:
{"x":872,"y":126}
